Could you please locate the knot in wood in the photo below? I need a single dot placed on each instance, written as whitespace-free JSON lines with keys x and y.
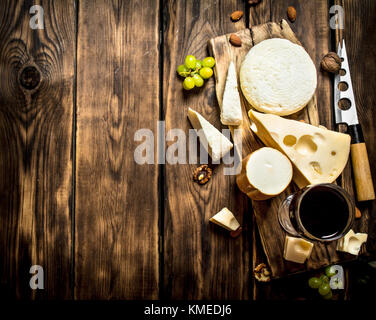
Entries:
{"x":29,"y":77}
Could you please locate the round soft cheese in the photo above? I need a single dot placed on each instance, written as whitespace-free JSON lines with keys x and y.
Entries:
{"x":278,"y":76}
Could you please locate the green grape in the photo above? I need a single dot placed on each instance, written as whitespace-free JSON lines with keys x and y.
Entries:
{"x":314,"y":283}
{"x":206,"y":72}
{"x":330,"y":271}
{"x":183,"y":71}
{"x":208,"y":62}
{"x":190,"y":62}
{"x":188,"y":83}
{"x":324,"y":278}
{"x":324,"y":289}
{"x":198,"y":64}
{"x":328,"y":296}
{"x":199,"y":82}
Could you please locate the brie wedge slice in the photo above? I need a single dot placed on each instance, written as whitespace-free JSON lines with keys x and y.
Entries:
{"x":214,"y":142}
{"x":231,"y":109}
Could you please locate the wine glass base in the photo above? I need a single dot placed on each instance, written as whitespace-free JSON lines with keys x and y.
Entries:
{"x":284,"y":216}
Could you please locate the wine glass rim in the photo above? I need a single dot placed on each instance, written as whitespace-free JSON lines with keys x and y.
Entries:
{"x":345,"y":195}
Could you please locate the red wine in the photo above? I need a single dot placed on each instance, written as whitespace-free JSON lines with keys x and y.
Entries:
{"x":324,"y":213}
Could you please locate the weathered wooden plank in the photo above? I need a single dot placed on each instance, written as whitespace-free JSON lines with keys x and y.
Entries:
{"x":36,"y":144}
{"x":312,"y":29}
{"x":360,"y":42}
{"x":201,"y":261}
{"x":258,"y":14}
{"x":116,"y":199}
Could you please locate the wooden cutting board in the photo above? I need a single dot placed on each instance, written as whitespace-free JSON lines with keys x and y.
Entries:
{"x":271,"y":234}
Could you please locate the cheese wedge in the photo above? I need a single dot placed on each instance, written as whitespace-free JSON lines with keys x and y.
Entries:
{"x":352,"y":242}
{"x":231,"y":109}
{"x":318,"y":155}
{"x":297,"y":250}
{"x":214,"y":142}
{"x":265,"y":173}
{"x":225,"y":219}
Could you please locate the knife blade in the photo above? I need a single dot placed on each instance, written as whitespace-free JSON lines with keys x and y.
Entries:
{"x":344,"y":95}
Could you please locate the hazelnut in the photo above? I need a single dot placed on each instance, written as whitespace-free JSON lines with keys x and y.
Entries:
{"x":331,"y":62}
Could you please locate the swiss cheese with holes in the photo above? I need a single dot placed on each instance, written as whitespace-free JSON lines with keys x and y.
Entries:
{"x":318,"y":155}
{"x":278,"y":77}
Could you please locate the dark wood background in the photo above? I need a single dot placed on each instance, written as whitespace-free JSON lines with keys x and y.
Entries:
{"x":73,"y":200}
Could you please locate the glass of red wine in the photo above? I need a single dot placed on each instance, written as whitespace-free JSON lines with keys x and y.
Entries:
{"x":322,"y":212}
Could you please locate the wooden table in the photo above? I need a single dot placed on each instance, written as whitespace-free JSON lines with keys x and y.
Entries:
{"x":72,"y":198}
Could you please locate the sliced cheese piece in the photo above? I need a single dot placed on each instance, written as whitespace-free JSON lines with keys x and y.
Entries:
{"x":214,"y":142}
{"x":278,"y":76}
{"x":352,"y":242}
{"x":225,"y":219}
{"x":231,"y":109}
{"x":265,"y":173}
{"x":297,"y":250}
{"x":318,"y":155}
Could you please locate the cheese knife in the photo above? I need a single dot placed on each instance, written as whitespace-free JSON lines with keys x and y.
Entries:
{"x":359,"y":157}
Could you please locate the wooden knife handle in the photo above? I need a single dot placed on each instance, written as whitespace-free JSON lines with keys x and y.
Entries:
{"x":360,"y":165}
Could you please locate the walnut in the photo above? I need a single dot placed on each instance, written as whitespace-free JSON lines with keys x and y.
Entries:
{"x":202,"y":174}
{"x":331,"y":62}
{"x":262,"y":273}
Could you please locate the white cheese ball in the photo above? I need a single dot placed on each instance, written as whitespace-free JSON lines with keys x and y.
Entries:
{"x":278,"y":77}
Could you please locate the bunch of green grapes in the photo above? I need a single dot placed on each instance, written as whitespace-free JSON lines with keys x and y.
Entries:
{"x":322,"y":283}
{"x":195,"y":71}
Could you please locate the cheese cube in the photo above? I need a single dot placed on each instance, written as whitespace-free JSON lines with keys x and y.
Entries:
{"x":297,"y":250}
{"x":352,"y":242}
{"x":225,"y":219}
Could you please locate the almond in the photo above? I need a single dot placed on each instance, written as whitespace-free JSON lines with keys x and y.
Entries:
{"x":236,"y":233}
{"x":235,"y":40}
{"x":236,"y":15}
{"x":358,"y":214}
{"x":291,"y":13}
